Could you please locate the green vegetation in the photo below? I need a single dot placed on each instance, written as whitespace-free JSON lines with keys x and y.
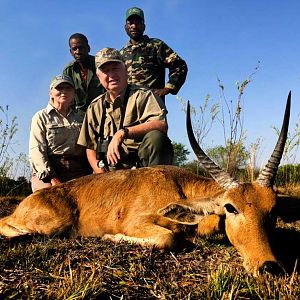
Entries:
{"x":9,"y":167}
{"x":180,"y":154}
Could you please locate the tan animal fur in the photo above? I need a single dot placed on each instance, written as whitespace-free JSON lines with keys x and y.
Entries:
{"x":154,"y":206}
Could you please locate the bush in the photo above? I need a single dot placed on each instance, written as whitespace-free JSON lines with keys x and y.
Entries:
{"x":288,"y":175}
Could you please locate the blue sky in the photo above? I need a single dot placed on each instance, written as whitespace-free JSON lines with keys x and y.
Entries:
{"x":224,"y":39}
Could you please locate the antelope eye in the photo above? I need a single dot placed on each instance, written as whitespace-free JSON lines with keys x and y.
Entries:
{"x":231,"y":209}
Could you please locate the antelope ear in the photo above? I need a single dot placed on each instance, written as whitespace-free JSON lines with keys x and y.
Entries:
{"x":180,"y":213}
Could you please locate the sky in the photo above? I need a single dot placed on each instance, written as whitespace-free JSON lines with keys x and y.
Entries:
{"x":224,"y":39}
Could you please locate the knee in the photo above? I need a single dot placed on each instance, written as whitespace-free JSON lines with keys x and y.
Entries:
{"x":157,"y":140}
{"x":155,"y":149}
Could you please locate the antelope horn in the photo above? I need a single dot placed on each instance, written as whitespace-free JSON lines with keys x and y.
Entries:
{"x":267,"y":175}
{"x":220,"y":176}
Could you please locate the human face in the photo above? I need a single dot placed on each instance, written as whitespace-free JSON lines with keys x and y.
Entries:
{"x":113,"y":77}
{"x":79,"y":50}
{"x":135,"y":27}
{"x":62,"y":95}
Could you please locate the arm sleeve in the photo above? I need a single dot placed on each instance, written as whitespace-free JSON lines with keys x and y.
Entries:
{"x":67,"y":71}
{"x":151,"y":107}
{"x":38,"y":155}
{"x":176,"y":65}
{"x":88,"y":136}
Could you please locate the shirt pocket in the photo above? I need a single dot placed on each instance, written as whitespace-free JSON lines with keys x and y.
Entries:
{"x":57,"y":136}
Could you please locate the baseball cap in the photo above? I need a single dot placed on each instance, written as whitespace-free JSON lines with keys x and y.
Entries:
{"x":57,"y":80}
{"x":135,"y":11}
{"x":107,"y":55}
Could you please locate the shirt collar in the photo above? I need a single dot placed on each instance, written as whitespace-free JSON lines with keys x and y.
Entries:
{"x":122,"y":95}
{"x":142,"y":41}
{"x":118,"y":101}
{"x":90,"y":64}
{"x":51,"y":108}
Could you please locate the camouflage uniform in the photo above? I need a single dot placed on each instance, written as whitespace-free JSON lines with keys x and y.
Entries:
{"x":84,"y":93}
{"x":146,"y":62}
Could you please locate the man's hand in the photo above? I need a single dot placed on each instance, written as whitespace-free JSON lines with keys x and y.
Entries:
{"x":162,"y":92}
{"x":54,"y":181}
{"x":100,"y":171}
{"x":113,"y":154}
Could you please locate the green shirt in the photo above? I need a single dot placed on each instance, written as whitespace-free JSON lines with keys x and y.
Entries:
{"x":142,"y":106}
{"x":84,"y":92}
{"x":147,"y":60}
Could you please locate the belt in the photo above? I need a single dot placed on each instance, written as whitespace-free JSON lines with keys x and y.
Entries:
{"x":66,"y":156}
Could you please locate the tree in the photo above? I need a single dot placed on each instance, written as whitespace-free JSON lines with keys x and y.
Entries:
{"x":232,"y":115}
{"x":236,"y":162}
{"x":180,"y":154}
{"x":229,"y":113}
{"x":203,"y":117}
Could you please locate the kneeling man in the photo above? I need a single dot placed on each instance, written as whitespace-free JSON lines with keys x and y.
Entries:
{"x":125,"y":126}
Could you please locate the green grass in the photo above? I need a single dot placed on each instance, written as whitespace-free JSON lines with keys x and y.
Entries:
{"x":88,"y":268}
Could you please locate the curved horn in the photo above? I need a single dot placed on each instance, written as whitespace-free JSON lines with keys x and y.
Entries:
{"x":267,"y":175}
{"x":220,"y":176}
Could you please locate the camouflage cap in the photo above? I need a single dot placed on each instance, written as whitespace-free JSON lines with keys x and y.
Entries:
{"x":57,"y":80}
{"x":107,"y":55}
{"x":135,"y":11}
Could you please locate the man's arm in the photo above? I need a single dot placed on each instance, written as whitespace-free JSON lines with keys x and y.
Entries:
{"x":141,"y":129}
{"x":177,"y":70}
{"x":133,"y":132}
{"x":91,"y":156}
{"x":38,"y":154}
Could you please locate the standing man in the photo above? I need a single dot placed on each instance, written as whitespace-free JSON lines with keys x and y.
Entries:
{"x":83,"y":72}
{"x":147,"y":58}
{"x":130,"y":118}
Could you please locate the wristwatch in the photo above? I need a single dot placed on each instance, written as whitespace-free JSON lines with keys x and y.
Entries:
{"x":126,"y":132}
{"x":100,"y":164}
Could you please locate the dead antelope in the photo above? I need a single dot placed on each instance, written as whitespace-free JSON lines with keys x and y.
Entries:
{"x":154,"y":206}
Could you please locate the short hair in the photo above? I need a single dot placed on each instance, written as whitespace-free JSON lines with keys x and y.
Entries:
{"x":79,"y":36}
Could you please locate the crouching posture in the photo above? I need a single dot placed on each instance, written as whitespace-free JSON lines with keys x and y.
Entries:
{"x":154,"y":205}
{"x":126,"y":126}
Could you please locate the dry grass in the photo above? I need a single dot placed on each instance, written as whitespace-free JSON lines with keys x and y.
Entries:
{"x":88,"y":268}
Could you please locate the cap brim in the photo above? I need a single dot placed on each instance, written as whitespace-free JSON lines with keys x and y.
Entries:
{"x":108,"y":61}
{"x":54,"y":85}
{"x":134,"y":15}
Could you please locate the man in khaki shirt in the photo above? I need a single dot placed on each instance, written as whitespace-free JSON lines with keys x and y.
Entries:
{"x":132,"y":118}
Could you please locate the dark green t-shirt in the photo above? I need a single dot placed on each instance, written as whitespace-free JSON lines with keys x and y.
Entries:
{"x":84,"y":92}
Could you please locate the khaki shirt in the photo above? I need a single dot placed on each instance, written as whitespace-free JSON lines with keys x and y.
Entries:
{"x":53,"y":134}
{"x":142,"y":106}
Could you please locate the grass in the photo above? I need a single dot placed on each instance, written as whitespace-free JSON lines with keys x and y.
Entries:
{"x":39,"y":267}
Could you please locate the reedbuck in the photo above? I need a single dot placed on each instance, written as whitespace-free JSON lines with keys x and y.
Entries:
{"x":155,"y":206}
